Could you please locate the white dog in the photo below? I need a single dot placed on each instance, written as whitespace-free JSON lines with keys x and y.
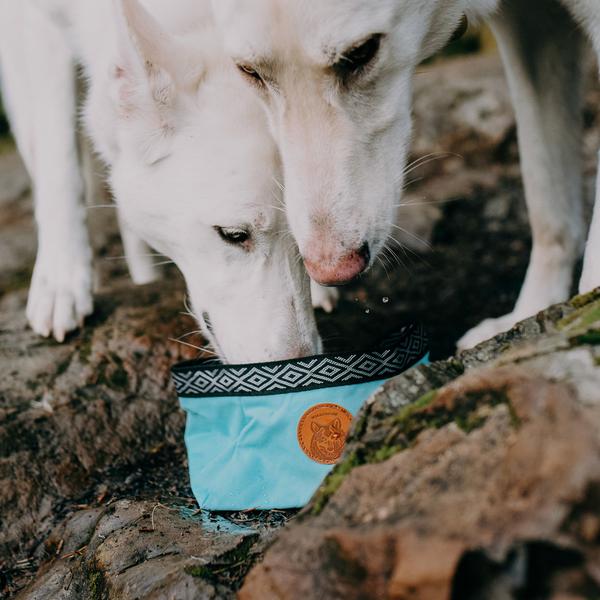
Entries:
{"x":336,"y":79}
{"x":193,"y":168}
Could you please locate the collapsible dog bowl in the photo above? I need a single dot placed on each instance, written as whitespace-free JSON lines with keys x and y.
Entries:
{"x":265,"y":435}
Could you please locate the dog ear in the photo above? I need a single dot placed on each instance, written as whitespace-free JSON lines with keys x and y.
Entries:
{"x":142,"y":58}
{"x":152,"y":67}
{"x":462,"y":28}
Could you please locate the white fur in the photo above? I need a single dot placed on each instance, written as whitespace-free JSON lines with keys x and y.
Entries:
{"x":544,"y":74}
{"x":188,"y":150}
{"x":325,"y":298}
{"x":590,"y":277}
{"x":343,"y":148}
{"x":60,"y":294}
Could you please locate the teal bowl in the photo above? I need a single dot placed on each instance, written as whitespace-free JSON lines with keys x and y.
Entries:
{"x":264,"y":436}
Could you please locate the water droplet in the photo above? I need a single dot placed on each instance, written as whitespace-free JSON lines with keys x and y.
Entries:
{"x":355,"y":299}
{"x":367,"y":311}
{"x":385,"y":299}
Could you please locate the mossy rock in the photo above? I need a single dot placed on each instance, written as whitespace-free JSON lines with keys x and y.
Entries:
{"x":469,"y":414}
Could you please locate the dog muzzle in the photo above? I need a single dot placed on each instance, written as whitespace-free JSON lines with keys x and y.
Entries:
{"x":265,"y":435}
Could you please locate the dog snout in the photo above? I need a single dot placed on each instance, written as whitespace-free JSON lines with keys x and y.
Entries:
{"x":293,"y":350}
{"x":302,"y":350}
{"x":328,"y":270}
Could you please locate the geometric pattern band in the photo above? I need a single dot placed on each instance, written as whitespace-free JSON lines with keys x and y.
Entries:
{"x":210,"y":378}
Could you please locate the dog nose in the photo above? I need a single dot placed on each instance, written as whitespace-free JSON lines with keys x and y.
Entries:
{"x":327,"y":271}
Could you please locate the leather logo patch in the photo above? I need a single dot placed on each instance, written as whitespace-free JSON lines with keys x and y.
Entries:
{"x":322,"y":432}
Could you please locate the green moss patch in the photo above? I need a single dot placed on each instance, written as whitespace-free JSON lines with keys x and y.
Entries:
{"x":584,"y":299}
{"x":385,"y":452}
{"x":589,"y":338}
{"x":414,"y":407}
{"x":469,"y":412}
{"x":333,"y":482}
{"x":582,"y":319}
{"x":96,"y":584}
{"x":230,"y":568}
{"x":201,"y":571}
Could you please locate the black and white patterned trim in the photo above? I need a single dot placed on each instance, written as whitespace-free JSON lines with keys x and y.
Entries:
{"x":211,"y":378}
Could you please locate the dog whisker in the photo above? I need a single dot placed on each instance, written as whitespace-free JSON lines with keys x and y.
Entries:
{"x":164,"y":262}
{"x":196,"y":331}
{"x":278,"y":184}
{"x":398,"y":259}
{"x":410,"y":182}
{"x":199,"y":348}
{"x":156,"y":255}
{"x":188,"y":309}
{"x":185,"y":343}
{"x":428,"y":203}
{"x":424,"y":160}
{"x":279,"y":208}
{"x":383,"y":265}
{"x":393,"y":259}
{"x":406,"y":249}
{"x":412,"y":235}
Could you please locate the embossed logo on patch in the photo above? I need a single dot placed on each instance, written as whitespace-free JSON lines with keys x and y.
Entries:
{"x":322,"y":432}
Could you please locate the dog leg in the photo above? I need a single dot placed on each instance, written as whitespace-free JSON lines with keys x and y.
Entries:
{"x":541,"y":50}
{"x":590,"y":278}
{"x":39,"y":84}
{"x":137,"y":253}
{"x":325,"y":298}
{"x":140,"y":263}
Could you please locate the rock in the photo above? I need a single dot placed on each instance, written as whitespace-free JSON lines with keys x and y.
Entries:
{"x":487,"y":486}
{"x":468,"y":116}
{"x":102,"y":400}
{"x":143,"y":550}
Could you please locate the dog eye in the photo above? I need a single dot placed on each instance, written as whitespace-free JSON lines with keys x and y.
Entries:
{"x":356,"y":59}
{"x":232,"y":235}
{"x":250,"y":73}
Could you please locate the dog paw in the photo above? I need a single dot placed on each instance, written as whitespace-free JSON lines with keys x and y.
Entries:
{"x":486,"y":330}
{"x":589,"y":281}
{"x":142,"y":269}
{"x":60,"y":296}
{"x":325,"y":298}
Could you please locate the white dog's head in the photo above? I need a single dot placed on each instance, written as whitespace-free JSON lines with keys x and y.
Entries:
{"x":336,"y":79}
{"x":195,"y":172}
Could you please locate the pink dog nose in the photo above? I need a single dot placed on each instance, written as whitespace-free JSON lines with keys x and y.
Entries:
{"x":328,"y":271}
